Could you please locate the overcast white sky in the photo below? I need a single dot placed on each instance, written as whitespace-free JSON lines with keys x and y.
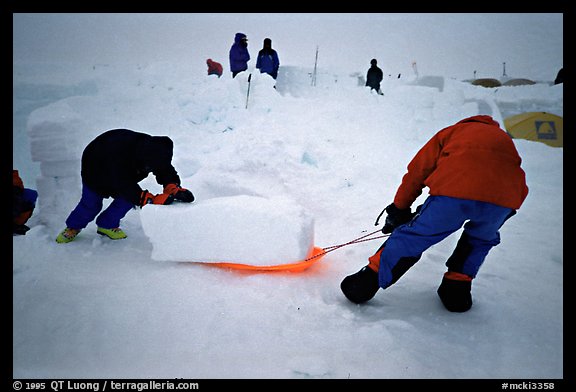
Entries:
{"x":530,"y":44}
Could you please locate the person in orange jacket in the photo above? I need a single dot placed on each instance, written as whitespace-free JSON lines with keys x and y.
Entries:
{"x":214,"y":67}
{"x":24,"y":202}
{"x":475,"y":180}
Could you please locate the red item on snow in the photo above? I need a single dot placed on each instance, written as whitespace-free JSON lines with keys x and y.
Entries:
{"x":214,"y":68}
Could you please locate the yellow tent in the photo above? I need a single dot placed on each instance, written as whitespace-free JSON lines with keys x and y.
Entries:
{"x":538,"y":126}
{"x":518,"y":82}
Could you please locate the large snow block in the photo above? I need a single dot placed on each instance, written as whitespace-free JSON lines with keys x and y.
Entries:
{"x":55,"y":133}
{"x":69,"y":168}
{"x":238,"y":229}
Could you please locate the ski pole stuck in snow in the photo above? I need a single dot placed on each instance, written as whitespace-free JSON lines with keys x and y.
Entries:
{"x":248,"y":93}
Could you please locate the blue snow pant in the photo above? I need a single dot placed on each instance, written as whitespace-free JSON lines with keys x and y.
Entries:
{"x":24,"y":208}
{"x":30,"y":195}
{"x":439,"y":217}
{"x":90,"y":206}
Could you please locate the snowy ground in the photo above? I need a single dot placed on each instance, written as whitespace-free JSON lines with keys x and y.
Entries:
{"x":97,"y":308}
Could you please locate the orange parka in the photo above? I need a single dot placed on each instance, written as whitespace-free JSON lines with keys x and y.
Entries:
{"x":16,"y":180}
{"x":473,"y":159}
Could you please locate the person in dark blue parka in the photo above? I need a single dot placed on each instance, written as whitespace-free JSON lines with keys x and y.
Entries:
{"x":112,"y":166}
{"x":267,"y":61}
{"x":239,"y":55}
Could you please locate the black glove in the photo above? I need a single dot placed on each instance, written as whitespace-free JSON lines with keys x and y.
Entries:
{"x":396,"y":217}
{"x":184,"y":195}
{"x":179,"y":193}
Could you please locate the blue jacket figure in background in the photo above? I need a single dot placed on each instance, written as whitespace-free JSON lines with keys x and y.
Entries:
{"x":268,"y":61}
{"x":239,"y":55}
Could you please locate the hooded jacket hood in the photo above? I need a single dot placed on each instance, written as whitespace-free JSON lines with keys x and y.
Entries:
{"x":155,"y":152}
{"x":238,"y":37}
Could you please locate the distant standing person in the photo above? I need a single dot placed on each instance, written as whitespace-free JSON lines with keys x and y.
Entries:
{"x":239,"y":55}
{"x":267,"y":61}
{"x":214,"y":67}
{"x":374,"y":76}
{"x":559,"y":77}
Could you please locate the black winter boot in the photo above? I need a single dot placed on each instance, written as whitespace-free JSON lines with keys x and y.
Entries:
{"x":361,"y":286}
{"x":455,"y":294}
{"x":19,"y":229}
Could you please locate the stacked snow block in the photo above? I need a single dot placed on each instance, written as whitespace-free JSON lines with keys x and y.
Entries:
{"x":237,"y":229}
{"x":57,"y":136}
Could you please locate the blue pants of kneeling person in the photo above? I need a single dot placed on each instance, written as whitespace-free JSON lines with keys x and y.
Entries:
{"x":30,"y":195}
{"x":90,"y":206}
{"x":439,"y":217}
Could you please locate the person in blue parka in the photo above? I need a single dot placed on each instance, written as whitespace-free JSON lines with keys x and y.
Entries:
{"x":112,"y":166}
{"x":239,"y":55}
{"x":267,"y":61}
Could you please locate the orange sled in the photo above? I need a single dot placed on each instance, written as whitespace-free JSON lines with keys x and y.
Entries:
{"x":313,"y":256}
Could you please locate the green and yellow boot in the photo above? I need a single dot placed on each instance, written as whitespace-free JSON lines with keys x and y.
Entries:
{"x":113,"y":234}
{"x":67,"y":235}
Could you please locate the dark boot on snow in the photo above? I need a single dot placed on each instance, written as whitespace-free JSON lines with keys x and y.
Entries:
{"x":361,"y":286}
{"x":455,"y":294}
{"x":19,"y":229}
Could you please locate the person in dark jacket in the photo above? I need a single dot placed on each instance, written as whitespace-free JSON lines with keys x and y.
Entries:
{"x":112,"y":166}
{"x":559,"y":77}
{"x":267,"y":61}
{"x":239,"y":55}
{"x":475,"y":181}
{"x":214,"y":67}
{"x":23,"y":204}
{"x":374,"y":76}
